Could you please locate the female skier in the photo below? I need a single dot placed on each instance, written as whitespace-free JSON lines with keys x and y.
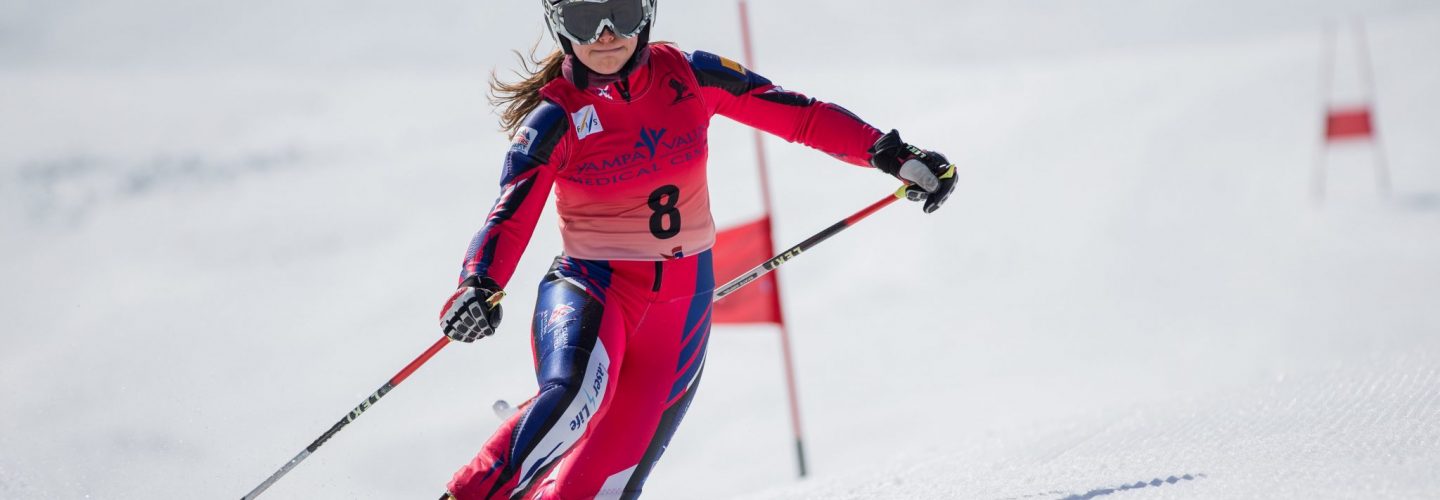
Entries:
{"x":617,"y":127}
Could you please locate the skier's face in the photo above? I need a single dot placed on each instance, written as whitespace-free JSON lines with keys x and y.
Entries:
{"x":608,"y":54}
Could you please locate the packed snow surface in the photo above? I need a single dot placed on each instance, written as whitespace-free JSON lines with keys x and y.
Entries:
{"x":226,"y":224}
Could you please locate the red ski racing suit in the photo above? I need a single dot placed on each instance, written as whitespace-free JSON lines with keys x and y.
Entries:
{"x":623,"y":317}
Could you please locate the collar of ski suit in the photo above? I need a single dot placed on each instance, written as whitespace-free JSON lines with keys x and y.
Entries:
{"x":632,"y":73}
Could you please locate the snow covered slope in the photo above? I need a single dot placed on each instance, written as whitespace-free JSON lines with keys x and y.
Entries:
{"x":223,"y":228}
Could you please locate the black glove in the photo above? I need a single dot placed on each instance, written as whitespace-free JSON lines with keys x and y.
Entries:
{"x":928,"y":175}
{"x":473,"y":312}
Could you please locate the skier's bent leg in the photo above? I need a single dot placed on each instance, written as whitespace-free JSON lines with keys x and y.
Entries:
{"x":665,"y":355}
{"x":496,"y":470}
{"x":574,"y":369}
{"x":613,"y":463}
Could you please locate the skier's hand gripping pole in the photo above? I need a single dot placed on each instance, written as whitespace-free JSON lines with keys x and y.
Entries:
{"x":473,"y":312}
{"x":929,"y":176}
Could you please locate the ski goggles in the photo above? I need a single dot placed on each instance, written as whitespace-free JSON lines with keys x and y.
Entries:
{"x":582,"y":21}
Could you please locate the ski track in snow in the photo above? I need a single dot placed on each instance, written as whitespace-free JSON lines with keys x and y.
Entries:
{"x":216,"y":248}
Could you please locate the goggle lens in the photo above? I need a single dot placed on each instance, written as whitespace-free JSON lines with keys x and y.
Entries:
{"x":583,"y":21}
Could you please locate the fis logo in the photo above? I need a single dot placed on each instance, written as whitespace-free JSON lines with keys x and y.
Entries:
{"x":649,"y":139}
{"x":586,"y":121}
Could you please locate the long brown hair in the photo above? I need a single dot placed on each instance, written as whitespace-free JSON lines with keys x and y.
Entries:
{"x":517,"y":99}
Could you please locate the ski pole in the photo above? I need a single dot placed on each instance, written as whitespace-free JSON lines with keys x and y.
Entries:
{"x":795,"y":251}
{"x":364,"y":405}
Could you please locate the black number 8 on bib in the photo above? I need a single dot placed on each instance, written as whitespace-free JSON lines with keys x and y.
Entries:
{"x":665,"y":222}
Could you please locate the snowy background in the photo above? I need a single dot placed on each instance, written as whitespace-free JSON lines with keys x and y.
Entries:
{"x":226,"y":223}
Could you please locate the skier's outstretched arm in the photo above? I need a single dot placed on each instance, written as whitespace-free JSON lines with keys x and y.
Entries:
{"x":731,"y":90}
